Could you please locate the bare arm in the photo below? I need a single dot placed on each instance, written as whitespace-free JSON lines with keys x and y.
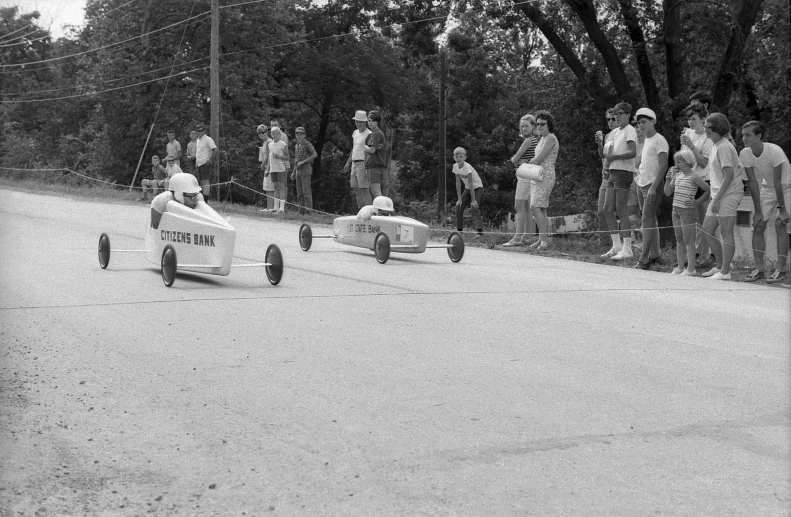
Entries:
{"x":545,"y":150}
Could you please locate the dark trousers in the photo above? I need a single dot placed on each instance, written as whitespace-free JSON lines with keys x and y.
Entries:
{"x":304,"y":193}
{"x":466,"y":200}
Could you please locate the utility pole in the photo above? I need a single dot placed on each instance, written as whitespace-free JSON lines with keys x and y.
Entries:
{"x":441,"y":183}
{"x":214,"y":125}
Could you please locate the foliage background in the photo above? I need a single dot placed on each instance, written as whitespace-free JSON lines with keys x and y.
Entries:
{"x":87,"y":102}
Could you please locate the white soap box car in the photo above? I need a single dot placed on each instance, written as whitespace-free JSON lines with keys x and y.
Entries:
{"x":197,"y":240}
{"x":383,"y":235}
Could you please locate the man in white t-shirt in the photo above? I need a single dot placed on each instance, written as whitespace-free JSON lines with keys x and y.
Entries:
{"x":650,"y":182}
{"x":355,"y":165}
{"x":620,"y":162}
{"x":769,"y":177}
{"x":173,"y":146}
{"x":205,"y":154}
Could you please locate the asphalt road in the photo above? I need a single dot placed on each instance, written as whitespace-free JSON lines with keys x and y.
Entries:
{"x":506,"y":384}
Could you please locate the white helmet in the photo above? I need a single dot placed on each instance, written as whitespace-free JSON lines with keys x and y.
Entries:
{"x":182,"y":183}
{"x":383,"y":204}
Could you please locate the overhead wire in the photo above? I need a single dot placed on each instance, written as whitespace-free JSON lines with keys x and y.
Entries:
{"x":264,"y":47}
{"x":85,"y":85}
{"x":59,"y":58}
{"x":104,"y":91}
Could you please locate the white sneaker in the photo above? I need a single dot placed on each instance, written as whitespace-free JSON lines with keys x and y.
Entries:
{"x":625,"y":253}
{"x":711,"y":272}
{"x":688,"y":273}
{"x":613,"y":251}
{"x":677,"y":270}
{"x":719,"y":276}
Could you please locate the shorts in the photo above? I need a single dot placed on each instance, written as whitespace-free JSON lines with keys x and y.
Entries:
{"x":769,"y":204}
{"x":728,"y":205}
{"x":522,"y":190}
{"x":374,"y":175}
{"x":605,"y":177}
{"x":359,"y":178}
{"x":620,"y":179}
{"x":278,"y":177}
{"x":687,"y":216}
{"x":700,"y":191}
{"x":633,"y":200}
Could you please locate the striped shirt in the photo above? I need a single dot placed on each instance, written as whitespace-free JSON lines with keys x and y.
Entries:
{"x":684,"y":192}
{"x":531,"y":151}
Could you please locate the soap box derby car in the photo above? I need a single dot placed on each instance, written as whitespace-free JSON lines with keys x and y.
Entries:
{"x":197,"y":240}
{"x":383,"y":233}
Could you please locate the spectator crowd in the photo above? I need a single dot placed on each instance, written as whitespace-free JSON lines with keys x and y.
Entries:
{"x":707,"y":181}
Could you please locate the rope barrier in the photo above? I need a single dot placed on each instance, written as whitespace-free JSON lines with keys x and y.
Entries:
{"x":232,"y":182}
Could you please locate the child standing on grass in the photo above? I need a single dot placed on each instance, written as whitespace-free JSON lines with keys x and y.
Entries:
{"x":684,"y":184}
{"x":473,"y":190}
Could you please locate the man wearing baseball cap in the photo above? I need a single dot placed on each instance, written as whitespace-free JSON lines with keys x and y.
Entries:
{"x":650,"y":183}
{"x":355,"y":165}
{"x":304,"y":154}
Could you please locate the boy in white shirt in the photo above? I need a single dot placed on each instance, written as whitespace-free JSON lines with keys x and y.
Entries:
{"x":473,"y":190}
{"x":650,"y":182}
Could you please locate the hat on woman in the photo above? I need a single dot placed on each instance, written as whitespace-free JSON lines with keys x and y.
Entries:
{"x":360,"y":116}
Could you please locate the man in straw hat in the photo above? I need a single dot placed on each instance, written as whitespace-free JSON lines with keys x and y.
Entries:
{"x":355,"y":165}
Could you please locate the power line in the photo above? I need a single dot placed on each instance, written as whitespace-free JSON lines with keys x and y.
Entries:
{"x":26,"y":42}
{"x":105,"y":46}
{"x":86,"y":85}
{"x":20,"y":29}
{"x":104,"y":91}
{"x":47,"y":67}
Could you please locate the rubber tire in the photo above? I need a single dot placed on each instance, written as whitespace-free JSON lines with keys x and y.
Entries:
{"x":382,"y":247}
{"x":457,"y":251}
{"x":274,"y":272}
{"x":104,"y":250}
{"x":169,"y":265}
{"x":305,"y":236}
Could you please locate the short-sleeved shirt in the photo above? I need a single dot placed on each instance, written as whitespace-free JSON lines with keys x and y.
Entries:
{"x":204,"y":147}
{"x":173,"y":148}
{"x":192,"y":148}
{"x":366,"y":212}
{"x":358,"y":144}
{"x":277,"y":148}
{"x":160,"y":202}
{"x":173,"y":169}
{"x":649,"y":161}
{"x":703,"y":144}
{"x":377,"y":159}
{"x":620,"y":141}
{"x":469,"y":176}
{"x":764,"y":165}
{"x":159,"y":172}
{"x":684,"y":191}
{"x":303,"y":152}
{"x":723,"y":154}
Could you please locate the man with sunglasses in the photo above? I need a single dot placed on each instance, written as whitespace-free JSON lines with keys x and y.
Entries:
{"x":183,"y":188}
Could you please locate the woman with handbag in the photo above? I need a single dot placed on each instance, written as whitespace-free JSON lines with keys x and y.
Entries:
{"x":543,"y":181}
{"x":526,"y":152}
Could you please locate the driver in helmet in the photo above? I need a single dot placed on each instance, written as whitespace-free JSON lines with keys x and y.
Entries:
{"x":382,"y":205}
{"x":183,"y":188}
